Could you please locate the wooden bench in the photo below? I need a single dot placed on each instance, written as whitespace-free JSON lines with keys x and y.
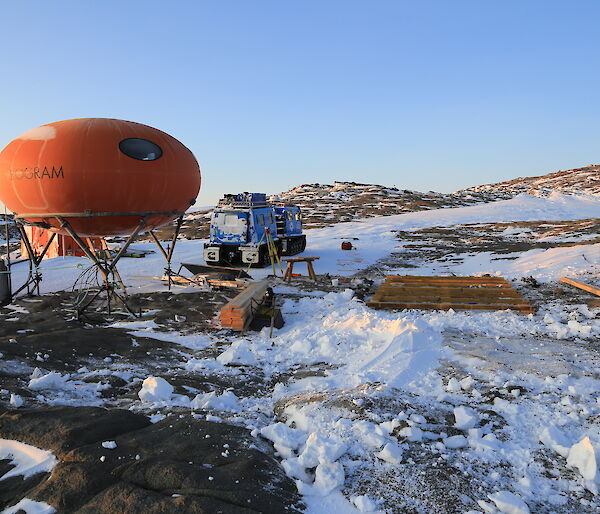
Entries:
{"x":293,"y":260}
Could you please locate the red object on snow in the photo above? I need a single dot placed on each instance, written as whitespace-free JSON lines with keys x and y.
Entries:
{"x":61,"y":246}
{"x":346,"y":245}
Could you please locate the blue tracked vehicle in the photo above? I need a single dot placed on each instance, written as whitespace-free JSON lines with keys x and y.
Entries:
{"x":239,"y":226}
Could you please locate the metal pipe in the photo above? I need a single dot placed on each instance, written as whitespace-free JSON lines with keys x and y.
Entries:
{"x":65,"y":224}
{"x":8,"y":264}
{"x":174,"y":240}
{"x":43,"y":215}
{"x":153,"y":236}
{"x":39,"y":258}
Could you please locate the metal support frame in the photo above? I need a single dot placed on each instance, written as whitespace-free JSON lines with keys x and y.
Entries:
{"x":168,"y":253}
{"x":105,"y":268}
{"x":103,"y":263}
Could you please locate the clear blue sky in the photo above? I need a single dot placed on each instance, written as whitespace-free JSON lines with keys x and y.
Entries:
{"x":422,"y":95}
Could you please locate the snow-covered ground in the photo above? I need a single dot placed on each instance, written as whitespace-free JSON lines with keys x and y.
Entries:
{"x":498,"y":410}
{"x":376,"y":238}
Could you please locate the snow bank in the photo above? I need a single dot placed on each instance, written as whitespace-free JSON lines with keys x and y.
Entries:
{"x":28,"y":460}
{"x":30,"y":507}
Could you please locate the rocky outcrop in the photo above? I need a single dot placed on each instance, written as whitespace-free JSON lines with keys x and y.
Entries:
{"x":180,"y":464}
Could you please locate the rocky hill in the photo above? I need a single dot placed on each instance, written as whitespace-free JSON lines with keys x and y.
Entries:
{"x":578,"y":180}
{"x":325,"y":204}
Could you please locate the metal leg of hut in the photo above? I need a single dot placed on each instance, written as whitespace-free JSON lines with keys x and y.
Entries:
{"x":34,"y":277}
{"x":168,"y":253}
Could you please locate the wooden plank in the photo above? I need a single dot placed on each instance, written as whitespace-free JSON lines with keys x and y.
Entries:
{"x":445,"y":299}
{"x":435,"y":280}
{"x":251,"y":292}
{"x":413,"y":278}
{"x":447,"y":306}
{"x":300,"y":259}
{"x":460,"y":283}
{"x":451,"y":291}
{"x":448,"y":277}
{"x":237,"y":314}
{"x":581,"y":285}
{"x":228,"y":321}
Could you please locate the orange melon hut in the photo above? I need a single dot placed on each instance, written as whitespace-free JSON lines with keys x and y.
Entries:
{"x":103,"y":176}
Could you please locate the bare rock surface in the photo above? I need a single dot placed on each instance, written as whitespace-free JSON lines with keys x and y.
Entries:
{"x":180,"y":464}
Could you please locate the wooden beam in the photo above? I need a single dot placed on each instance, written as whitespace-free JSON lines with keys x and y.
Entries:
{"x":447,"y":306}
{"x":581,"y":285}
{"x":237,"y":314}
{"x":450,"y":291}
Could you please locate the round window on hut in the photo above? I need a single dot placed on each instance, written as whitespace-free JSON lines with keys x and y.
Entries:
{"x":140,"y":149}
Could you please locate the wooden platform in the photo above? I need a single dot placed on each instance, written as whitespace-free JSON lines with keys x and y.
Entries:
{"x":443,"y":293}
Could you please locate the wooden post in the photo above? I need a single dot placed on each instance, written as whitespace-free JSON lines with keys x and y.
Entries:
{"x":581,"y":285}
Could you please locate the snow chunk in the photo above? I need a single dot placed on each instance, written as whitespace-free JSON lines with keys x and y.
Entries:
{"x":28,"y":460}
{"x":52,"y":380}
{"x":320,"y":450}
{"x":111,"y":445}
{"x":466,"y":383}
{"x":465,"y":418}
{"x":238,"y":354}
{"x":391,"y":453}
{"x":577,"y":329}
{"x":453,"y":386}
{"x":225,"y":402}
{"x":412,"y":433}
{"x":456,"y":441}
{"x":509,"y":503}
{"x":155,"y":389}
{"x":328,"y":476}
{"x":364,"y":503}
{"x":583,"y":457}
{"x":372,"y":435}
{"x":15,"y":401}
{"x":389,"y":426}
{"x":280,"y":433}
{"x":417,"y":418}
{"x":295,"y":469}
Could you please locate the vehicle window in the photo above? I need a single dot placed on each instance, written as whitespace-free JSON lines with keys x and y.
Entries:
{"x":261,"y":219}
{"x":140,"y":149}
{"x":231,"y":219}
